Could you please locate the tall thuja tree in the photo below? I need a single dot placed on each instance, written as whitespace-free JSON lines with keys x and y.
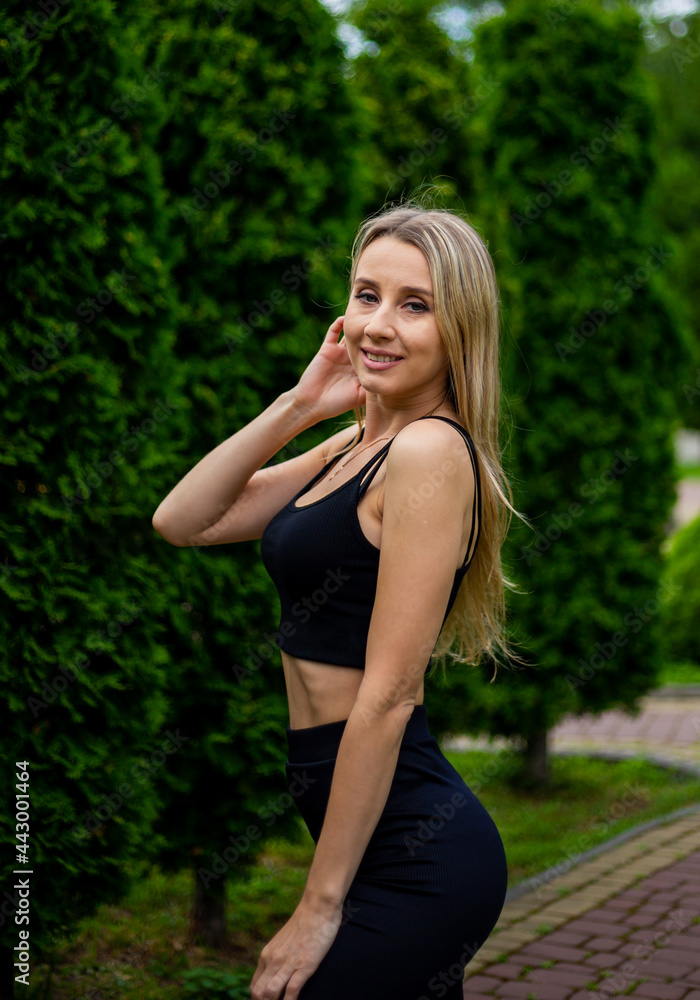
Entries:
{"x":262,"y":157}
{"x":415,"y":82}
{"x":675,"y":69}
{"x":593,"y":357}
{"x":89,"y":400}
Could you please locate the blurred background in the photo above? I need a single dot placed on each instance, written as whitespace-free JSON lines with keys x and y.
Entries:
{"x":180,"y":186}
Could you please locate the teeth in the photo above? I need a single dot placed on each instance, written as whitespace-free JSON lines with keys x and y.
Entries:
{"x":379,"y":357}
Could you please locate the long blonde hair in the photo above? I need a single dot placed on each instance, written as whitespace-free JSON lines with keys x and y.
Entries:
{"x":467,"y":307}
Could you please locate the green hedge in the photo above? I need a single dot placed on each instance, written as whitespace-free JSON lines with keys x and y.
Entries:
{"x":594,"y":352}
{"x":681,"y":613}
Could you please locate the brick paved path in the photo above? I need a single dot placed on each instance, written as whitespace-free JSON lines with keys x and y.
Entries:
{"x":670,"y":726}
{"x":666,"y":726}
{"x":625,"y":923}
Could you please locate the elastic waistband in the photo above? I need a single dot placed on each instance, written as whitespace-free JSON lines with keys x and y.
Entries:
{"x":322,"y":742}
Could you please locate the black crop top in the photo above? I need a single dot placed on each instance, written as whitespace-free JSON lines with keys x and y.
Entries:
{"x":325,"y":569}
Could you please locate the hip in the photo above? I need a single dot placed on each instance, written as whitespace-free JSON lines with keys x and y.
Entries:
{"x":433,"y":830}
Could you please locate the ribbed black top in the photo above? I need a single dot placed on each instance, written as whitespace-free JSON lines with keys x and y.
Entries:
{"x":325,"y":569}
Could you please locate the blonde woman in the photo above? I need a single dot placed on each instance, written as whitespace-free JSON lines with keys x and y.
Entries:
{"x":368,"y":538}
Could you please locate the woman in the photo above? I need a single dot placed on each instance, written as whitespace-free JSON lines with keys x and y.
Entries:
{"x":409,"y":873}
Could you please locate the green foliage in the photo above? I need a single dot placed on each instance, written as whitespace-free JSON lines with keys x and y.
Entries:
{"x":594,"y":354}
{"x":262,"y":168}
{"x":674,"y":69}
{"x":137,"y":334}
{"x":416,"y":87}
{"x":216,"y":984}
{"x":88,"y":394}
{"x":181,"y":183}
{"x":681,"y":613}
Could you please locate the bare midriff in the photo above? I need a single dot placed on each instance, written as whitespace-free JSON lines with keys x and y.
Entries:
{"x":321,"y":692}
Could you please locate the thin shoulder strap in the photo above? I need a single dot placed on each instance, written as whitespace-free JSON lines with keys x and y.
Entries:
{"x":476,"y":526}
{"x":372,"y":465}
{"x":321,"y":472}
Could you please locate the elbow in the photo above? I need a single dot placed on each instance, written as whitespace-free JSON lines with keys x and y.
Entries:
{"x":160,"y":527}
{"x":386,"y":702}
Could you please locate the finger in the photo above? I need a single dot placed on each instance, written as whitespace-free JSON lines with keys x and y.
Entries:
{"x":276,"y":986}
{"x":334,"y":329}
{"x":258,"y":973}
{"x":295,"y":984}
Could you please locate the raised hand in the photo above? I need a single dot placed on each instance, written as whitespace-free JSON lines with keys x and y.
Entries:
{"x":329,"y":385}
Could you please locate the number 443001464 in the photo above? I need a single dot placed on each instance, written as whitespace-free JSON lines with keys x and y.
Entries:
{"x":22,"y":816}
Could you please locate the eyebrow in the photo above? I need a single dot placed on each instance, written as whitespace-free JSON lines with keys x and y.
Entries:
{"x":404,"y":288}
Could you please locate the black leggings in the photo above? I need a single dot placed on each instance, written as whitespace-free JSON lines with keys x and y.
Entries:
{"x":431,"y":884}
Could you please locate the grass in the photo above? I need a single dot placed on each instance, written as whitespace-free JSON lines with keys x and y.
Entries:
{"x":688,"y":471}
{"x":588,"y":802}
{"x":680,"y":673}
{"x":140,"y":947}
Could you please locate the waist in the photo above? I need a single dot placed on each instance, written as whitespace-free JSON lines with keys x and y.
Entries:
{"x":315,"y":743}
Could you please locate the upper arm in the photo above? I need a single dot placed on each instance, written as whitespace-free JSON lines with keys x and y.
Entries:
{"x":267,"y":491}
{"x":429,"y":487}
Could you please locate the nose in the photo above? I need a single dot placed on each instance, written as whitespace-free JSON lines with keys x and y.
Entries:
{"x":380,"y":324}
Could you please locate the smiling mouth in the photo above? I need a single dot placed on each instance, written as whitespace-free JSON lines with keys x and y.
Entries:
{"x":380,"y":357}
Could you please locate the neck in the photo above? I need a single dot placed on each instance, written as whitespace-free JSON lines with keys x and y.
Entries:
{"x":380,"y":425}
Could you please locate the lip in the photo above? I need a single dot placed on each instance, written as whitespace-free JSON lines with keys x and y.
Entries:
{"x":377,"y":365}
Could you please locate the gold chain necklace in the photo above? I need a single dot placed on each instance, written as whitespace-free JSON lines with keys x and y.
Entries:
{"x":341,"y":467}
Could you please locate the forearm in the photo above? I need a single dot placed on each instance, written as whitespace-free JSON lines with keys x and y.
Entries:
{"x":217,"y":480}
{"x":364,"y":770}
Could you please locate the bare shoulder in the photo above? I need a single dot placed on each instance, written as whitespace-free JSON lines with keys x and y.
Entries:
{"x":427,"y":454}
{"x":431,"y":443}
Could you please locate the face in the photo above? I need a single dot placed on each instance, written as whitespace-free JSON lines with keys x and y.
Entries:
{"x":391,"y":311}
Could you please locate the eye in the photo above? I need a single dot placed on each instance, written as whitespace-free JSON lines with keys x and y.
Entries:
{"x":419,"y":306}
